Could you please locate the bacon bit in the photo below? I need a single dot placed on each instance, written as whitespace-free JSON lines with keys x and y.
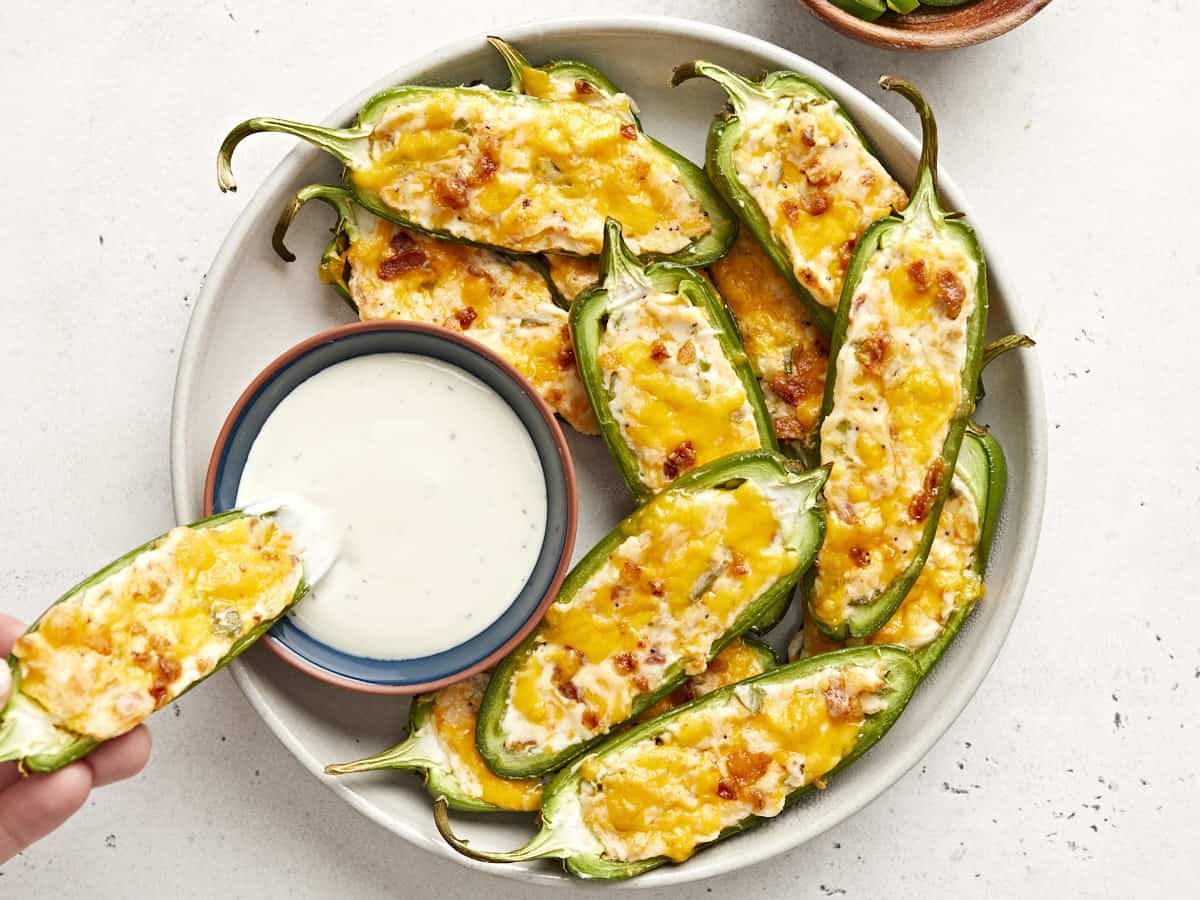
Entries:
{"x":159,"y":693}
{"x":921,"y":504}
{"x":655,"y":657}
{"x":918,"y":274}
{"x":746,"y":767}
{"x":839,"y":704}
{"x":659,"y":352}
{"x":583,"y":87}
{"x":867,"y":179}
{"x":479,"y":272}
{"x":900,"y":204}
{"x":169,"y":668}
{"x":570,"y":691}
{"x":791,"y":389}
{"x":485,"y":165}
{"x":160,"y":642}
{"x":821,"y":346}
{"x":401,"y":240}
{"x":404,"y":261}
{"x":788,"y":428}
{"x":526,"y":203}
{"x":757,"y":800}
{"x":871,"y":352}
{"x":630,"y":571}
{"x":846,"y":253}
{"x":590,"y":720}
{"x":687,"y":353}
{"x":141,"y":658}
{"x":451,"y":192}
{"x":861,"y":557}
{"x":817,"y":174}
{"x":717,"y":666}
{"x":465,"y":316}
{"x":808,"y":136}
{"x":950,"y":293}
{"x":679,"y":460}
{"x":566,"y":357}
{"x":629,"y":131}
{"x":791,"y":210}
{"x":657,"y":588}
{"x":738,"y":564}
{"x":641,"y":683}
{"x":625,"y":663}
{"x":725,"y":791}
{"x":814,"y":203}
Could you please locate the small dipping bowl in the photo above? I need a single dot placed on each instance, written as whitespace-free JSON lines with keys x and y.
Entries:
{"x":484,"y":650}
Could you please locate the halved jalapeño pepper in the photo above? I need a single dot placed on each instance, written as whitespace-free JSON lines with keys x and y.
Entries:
{"x":150,"y":626}
{"x":649,"y":605}
{"x":567,"y":79}
{"x":786,"y":348}
{"x":664,"y":369}
{"x":715,"y":767}
{"x":441,"y":739}
{"x":905,"y":356}
{"x":799,"y":174}
{"x":952,"y":580}
{"x":515,"y":172}
{"x":387,"y":272}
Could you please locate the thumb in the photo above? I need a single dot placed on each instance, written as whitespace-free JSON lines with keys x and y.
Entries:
{"x":5,"y":682}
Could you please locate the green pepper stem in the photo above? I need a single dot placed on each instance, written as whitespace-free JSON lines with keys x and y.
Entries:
{"x":346,"y":144}
{"x":543,"y":845}
{"x":620,"y":270}
{"x":403,"y":755}
{"x":741,"y":90}
{"x":336,"y":197}
{"x":925,"y":190}
{"x":516,"y":62}
{"x":1000,"y":346}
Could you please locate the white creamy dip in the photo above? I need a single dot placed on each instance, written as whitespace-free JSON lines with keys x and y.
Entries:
{"x":433,"y":486}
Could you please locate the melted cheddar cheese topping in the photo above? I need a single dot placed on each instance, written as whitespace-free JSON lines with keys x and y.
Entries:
{"x":572,"y":275}
{"x":788,"y":352}
{"x":816,"y":183}
{"x":677,"y":400}
{"x":736,"y":662}
{"x":691,"y":563}
{"x":947,"y":583}
{"x":455,"y":710}
{"x":715,"y":766}
{"x":503,"y":303}
{"x":105,"y":659}
{"x":538,"y":83}
{"x":898,"y":388}
{"x":532,"y":176}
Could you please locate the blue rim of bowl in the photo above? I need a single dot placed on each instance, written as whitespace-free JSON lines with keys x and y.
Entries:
{"x":292,"y":368}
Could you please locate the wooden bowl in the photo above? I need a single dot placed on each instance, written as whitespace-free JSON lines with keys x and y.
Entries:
{"x":931,"y":28}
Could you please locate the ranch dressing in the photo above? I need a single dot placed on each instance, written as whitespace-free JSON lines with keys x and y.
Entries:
{"x":433,"y":487}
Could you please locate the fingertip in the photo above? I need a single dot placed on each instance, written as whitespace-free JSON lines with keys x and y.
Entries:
{"x":120,"y":758}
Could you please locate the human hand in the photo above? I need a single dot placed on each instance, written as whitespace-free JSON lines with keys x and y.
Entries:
{"x":30,"y":808}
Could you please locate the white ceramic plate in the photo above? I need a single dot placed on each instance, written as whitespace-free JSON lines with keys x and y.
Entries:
{"x":253,"y":307}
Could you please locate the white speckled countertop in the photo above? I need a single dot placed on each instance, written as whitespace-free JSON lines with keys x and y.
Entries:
{"x":1074,"y":770}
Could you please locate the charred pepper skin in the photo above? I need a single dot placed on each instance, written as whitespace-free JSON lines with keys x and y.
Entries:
{"x":865,"y":619}
{"x":621,"y":270}
{"x":725,"y":134}
{"x":763,"y":466}
{"x":350,"y":146}
{"x":25,"y":725}
{"x":560,"y":800}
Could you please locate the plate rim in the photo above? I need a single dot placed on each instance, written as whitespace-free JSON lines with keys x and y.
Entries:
{"x":901,"y":758}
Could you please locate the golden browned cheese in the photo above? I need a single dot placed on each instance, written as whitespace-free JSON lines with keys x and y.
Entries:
{"x":401,"y":274}
{"x":455,"y":711}
{"x":104,"y":660}
{"x":816,"y":183}
{"x":691,"y":565}
{"x":898,"y":389}
{"x":572,"y":275}
{"x":677,"y":400}
{"x":529,"y":176}
{"x":717,"y":765}
{"x":737,"y":662}
{"x":538,"y":83}
{"x":788,"y":352}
